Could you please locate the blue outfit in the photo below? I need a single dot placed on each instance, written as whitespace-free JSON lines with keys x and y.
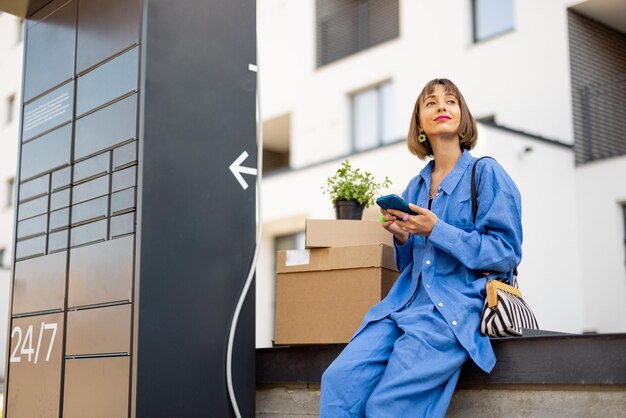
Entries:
{"x":405,"y":358}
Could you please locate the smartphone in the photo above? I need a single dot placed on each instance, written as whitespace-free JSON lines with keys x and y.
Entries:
{"x":393,"y":201}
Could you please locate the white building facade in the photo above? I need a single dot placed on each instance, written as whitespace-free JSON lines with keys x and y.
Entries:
{"x":11,"y":46}
{"x":334,"y":71}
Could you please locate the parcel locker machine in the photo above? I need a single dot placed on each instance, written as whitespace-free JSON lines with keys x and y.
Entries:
{"x":133,"y":235}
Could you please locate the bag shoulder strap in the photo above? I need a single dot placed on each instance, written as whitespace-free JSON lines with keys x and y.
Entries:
{"x":474,"y":194}
{"x":475,"y":205}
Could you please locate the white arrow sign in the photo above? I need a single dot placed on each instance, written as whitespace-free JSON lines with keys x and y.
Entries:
{"x":237,"y":169}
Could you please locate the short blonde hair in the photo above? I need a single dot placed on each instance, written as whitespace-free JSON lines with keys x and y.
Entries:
{"x":467,"y":128}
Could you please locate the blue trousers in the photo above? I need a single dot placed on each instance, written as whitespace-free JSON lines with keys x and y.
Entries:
{"x":404,"y":365}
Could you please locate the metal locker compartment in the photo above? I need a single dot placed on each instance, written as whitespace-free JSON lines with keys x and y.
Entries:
{"x":96,"y":387}
{"x":104,"y":29}
{"x":101,"y":273}
{"x":99,"y":331}
{"x":34,"y":372}
{"x":106,"y":128}
{"x":48,"y":112}
{"x":51,"y":48}
{"x":40,"y":284}
{"x":54,"y":146}
{"x":108,"y":82}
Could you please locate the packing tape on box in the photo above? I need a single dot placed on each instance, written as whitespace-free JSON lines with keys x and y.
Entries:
{"x":297,"y":257}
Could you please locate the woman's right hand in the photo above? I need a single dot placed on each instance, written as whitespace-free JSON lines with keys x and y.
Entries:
{"x":402,"y":236}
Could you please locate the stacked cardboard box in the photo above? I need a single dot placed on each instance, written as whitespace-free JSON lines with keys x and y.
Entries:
{"x":323,"y":292}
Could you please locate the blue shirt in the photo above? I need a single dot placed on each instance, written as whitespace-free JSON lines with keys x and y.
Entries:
{"x":452,"y":260}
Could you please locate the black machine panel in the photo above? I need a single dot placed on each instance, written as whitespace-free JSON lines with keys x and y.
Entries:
{"x":133,"y":112}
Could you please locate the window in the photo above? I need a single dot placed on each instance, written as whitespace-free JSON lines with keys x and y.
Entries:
{"x":372,"y":112}
{"x":10,"y":108}
{"x":10,"y":190}
{"x":492,"y":18}
{"x":598,"y":88}
{"x":624,"y":222}
{"x":345,"y":27}
{"x":276,"y":141}
{"x":274,"y":160}
{"x":288,"y":242}
{"x":19,"y":35}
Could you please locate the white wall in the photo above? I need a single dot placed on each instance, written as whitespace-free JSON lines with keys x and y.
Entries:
{"x":601,"y":190}
{"x":286,"y":36}
{"x":545,"y":177}
{"x":522,"y":77}
{"x":10,"y":84}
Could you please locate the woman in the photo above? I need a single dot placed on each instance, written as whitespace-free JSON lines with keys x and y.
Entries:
{"x":406,"y":357}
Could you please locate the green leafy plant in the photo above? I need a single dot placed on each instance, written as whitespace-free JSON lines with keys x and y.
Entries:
{"x":351,"y":183}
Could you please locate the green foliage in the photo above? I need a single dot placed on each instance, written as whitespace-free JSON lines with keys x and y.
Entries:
{"x":350,"y":183}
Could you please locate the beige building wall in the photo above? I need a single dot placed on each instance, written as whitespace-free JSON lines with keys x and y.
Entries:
{"x":11,"y":45}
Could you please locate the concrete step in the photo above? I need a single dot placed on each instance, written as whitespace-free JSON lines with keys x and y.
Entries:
{"x":541,"y":375}
{"x":513,"y":402}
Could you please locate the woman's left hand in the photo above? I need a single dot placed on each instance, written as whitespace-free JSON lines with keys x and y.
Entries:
{"x":420,"y":224}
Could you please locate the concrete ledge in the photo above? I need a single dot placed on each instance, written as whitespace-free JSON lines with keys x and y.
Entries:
{"x":534,"y":360}
{"x":294,"y":401}
{"x":513,"y":402}
{"x":545,"y":402}
{"x":553,"y":360}
{"x":535,"y":376}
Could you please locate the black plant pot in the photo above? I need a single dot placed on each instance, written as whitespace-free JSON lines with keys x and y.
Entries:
{"x":348,"y":209}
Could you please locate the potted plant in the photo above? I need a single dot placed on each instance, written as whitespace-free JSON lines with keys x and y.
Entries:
{"x":352,"y":190}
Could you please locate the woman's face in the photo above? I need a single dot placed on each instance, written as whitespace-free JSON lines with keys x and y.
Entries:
{"x":440,"y":113}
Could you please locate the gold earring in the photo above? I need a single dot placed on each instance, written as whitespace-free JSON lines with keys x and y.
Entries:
{"x":462,"y":135}
{"x":421,"y":137}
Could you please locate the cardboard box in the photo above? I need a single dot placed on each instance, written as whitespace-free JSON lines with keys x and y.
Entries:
{"x":322,"y":294}
{"x":342,"y":232}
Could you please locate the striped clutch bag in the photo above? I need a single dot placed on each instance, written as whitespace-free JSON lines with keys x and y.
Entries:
{"x":505,"y":313}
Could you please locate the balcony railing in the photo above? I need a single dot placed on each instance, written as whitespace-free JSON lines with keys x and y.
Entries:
{"x":355,"y":26}
{"x":604,"y":120}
